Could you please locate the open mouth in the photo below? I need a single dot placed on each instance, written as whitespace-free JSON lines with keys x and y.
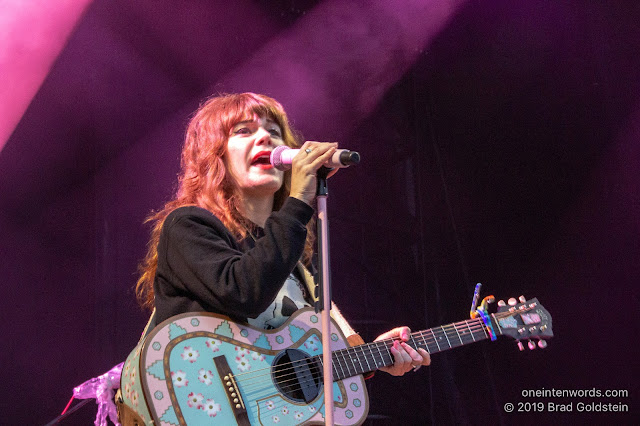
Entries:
{"x":263,"y":158}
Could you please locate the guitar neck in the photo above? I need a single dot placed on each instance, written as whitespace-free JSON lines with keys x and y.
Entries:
{"x":373,"y":356}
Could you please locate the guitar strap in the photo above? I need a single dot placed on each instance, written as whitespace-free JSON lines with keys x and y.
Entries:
{"x":151,"y":324}
{"x":353,"y":338}
{"x":126,"y":415}
{"x":347,"y":330}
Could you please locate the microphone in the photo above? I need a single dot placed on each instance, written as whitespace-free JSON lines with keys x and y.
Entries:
{"x":282,"y":156}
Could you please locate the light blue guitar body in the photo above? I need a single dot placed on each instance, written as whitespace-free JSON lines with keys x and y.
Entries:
{"x":177,"y":376}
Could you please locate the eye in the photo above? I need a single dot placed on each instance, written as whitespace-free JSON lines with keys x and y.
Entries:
{"x":275,"y":132}
{"x":242,"y":131}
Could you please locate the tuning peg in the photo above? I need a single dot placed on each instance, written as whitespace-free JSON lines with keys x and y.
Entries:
{"x":531,"y":345}
{"x":512,"y":301}
{"x":520,"y":346}
{"x":522,"y":299}
{"x":501,"y":303}
{"x":542,"y":344}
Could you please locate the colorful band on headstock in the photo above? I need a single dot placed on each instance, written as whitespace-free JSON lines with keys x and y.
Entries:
{"x":474,"y":301}
{"x":481,"y":310}
{"x":487,"y":322}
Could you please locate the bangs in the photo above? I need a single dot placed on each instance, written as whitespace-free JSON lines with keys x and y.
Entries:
{"x":247,"y":105}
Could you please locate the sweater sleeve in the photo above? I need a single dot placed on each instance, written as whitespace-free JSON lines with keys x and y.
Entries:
{"x":199,"y":259}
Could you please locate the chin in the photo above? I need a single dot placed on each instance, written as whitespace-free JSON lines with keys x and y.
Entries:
{"x":267,"y":187}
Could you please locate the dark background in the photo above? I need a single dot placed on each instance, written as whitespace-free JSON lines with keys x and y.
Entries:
{"x":500,"y":144}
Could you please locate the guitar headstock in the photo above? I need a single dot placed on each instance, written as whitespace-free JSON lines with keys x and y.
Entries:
{"x":524,"y":320}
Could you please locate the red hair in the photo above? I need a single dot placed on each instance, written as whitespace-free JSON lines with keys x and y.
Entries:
{"x":204,"y":181}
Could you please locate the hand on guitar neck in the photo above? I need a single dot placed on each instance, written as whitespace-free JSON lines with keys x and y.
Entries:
{"x":196,"y":366}
{"x":405,"y":357}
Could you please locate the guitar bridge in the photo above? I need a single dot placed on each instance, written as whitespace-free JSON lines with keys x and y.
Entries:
{"x":232,"y":391}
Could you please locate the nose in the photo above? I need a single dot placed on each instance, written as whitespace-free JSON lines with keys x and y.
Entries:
{"x":263,"y":137}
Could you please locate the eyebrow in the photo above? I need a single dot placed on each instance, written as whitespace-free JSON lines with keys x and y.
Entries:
{"x":268,"y":120}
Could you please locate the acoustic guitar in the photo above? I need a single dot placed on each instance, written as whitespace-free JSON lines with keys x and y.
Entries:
{"x":205,"y":369}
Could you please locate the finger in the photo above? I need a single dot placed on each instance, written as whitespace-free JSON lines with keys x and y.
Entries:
{"x":311,"y":150}
{"x":416,"y":358}
{"x":405,"y":333}
{"x":323,"y":159}
{"x":403,"y":357}
{"x":392,"y":334}
{"x":305,"y":151}
{"x":426,"y":358}
{"x":397,"y":361}
{"x":405,"y":363}
{"x":400,"y":365}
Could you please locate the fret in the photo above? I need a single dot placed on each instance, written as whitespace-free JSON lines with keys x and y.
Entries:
{"x":381,"y":356}
{"x":466,"y":336}
{"x":484,"y":330}
{"x":360,"y":354}
{"x":389,"y":354}
{"x":424,"y":341}
{"x":472,"y":336}
{"x":346,"y":364}
{"x":426,"y":344}
{"x":355,"y":367}
{"x":371,"y":347}
{"x":414,"y":345}
{"x":442,"y":345}
{"x":349,"y":363}
{"x":455,"y":327}
{"x":446,"y":337}
{"x":336,"y":361}
{"x":435,"y":339}
{"x":364,"y":355}
{"x":370,"y":357}
{"x":334,"y":369}
{"x":479,"y":326}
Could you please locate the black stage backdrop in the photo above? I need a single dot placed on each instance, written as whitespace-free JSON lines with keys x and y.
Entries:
{"x":500,"y":144}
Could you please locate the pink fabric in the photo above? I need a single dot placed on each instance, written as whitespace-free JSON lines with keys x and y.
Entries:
{"x":102,"y":388}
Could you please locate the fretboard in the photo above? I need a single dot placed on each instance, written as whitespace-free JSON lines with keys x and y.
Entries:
{"x":372,"y":356}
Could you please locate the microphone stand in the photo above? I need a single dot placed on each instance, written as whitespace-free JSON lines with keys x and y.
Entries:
{"x":324,"y":293}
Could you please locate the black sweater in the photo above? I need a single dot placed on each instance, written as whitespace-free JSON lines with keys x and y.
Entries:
{"x":202,"y":267}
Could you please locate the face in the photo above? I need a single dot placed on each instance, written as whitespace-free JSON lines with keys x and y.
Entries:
{"x":248,"y":150}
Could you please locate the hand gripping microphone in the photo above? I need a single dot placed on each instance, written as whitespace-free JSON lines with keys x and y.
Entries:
{"x":282,"y":156}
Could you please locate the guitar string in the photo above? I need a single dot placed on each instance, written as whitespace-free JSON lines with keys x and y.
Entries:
{"x":358,"y":352}
{"x":476,"y":324}
{"x":430,"y":339}
{"x":335,"y":353}
{"x":288,"y":378}
{"x":282,"y":404}
{"x":473,"y":326}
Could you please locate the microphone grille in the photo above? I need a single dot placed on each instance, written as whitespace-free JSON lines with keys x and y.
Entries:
{"x":276,"y":157}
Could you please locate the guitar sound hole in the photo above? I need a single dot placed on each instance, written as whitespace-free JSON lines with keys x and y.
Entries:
{"x":297,"y":376}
